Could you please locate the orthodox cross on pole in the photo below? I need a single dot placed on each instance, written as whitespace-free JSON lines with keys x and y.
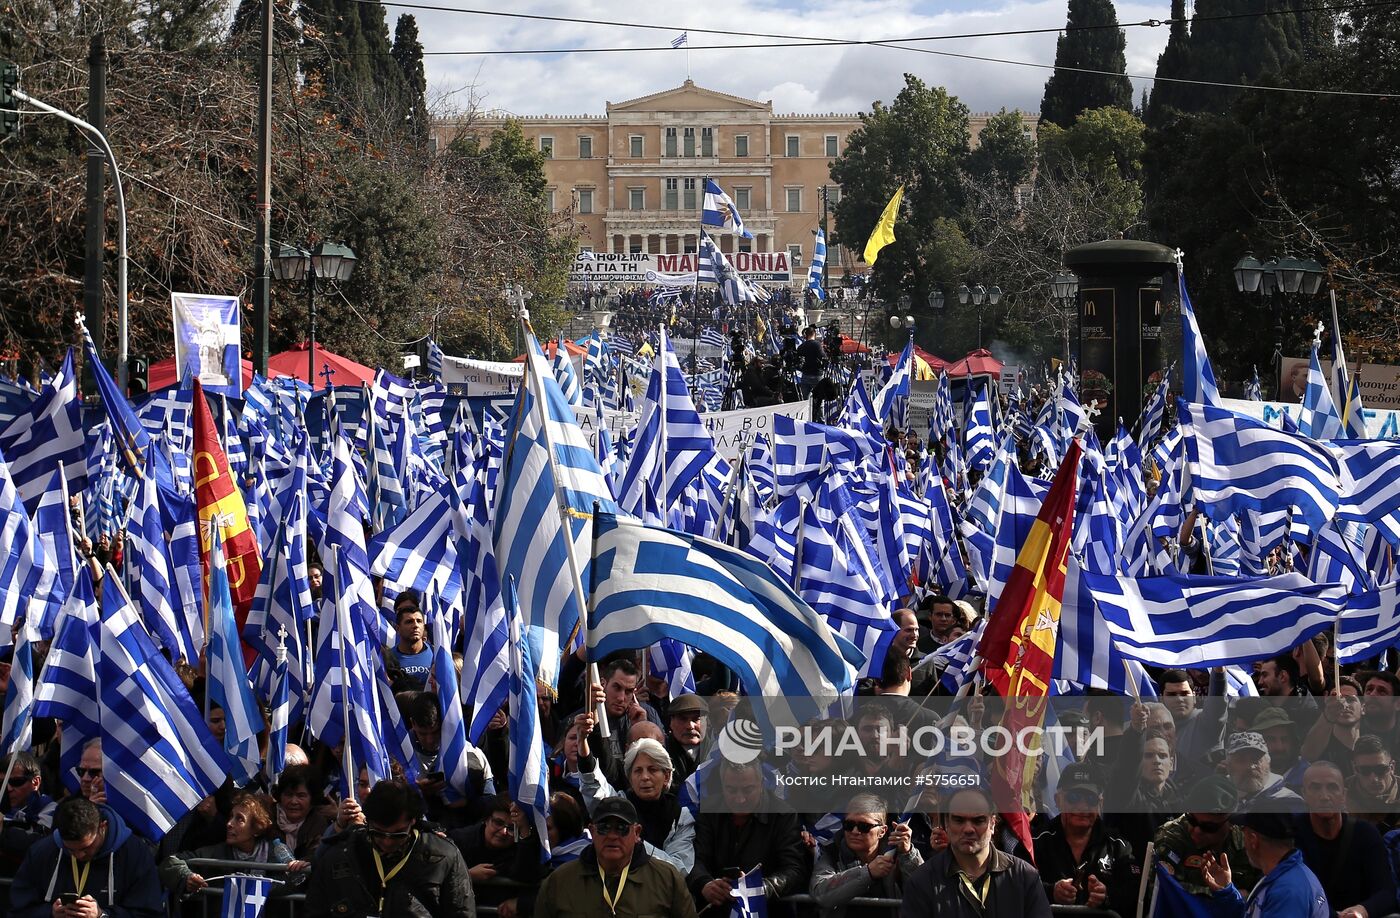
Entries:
{"x":327,"y":373}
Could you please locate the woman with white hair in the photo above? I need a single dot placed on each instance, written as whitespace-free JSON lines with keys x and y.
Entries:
{"x":668,"y":828}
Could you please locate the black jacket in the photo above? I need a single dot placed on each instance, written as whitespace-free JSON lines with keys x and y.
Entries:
{"x":934,"y":891}
{"x":1107,"y":857}
{"x":434,"y":883}
{"x":121,"y":877}
{"x":772,"y":839}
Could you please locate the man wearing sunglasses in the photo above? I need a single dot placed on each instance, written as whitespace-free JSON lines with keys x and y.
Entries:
{"x":391,"y":866}
{"x":1373,"y":793}
{"x":869,"y":858}
{"x":615,"y":876}
{"x":1184,"y":843}
{"x":1080,"y":861}
{"x":27,"y":814}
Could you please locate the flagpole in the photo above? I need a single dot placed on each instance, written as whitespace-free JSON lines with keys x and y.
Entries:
{"x":591,"y":679}
{"x":797,"y":549}
{"x":346,"y":755}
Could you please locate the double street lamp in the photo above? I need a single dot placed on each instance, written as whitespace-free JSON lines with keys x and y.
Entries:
{"x":328,"y":261}
{"x":977,"y":295}
{"x":1276,"y":278}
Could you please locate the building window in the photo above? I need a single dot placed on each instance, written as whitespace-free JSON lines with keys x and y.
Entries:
{"x":585,"y":147}
{"x":547,"y":147}
{"x":830,"y":146}
{"x":794,"y":147}
{"x":795,"y":255}
{"x":585,"y":200}
{"x":634,"y":143}
{"x":549,"y":199}
{"x":689,"y":137}
{"x":636,"y":198}
{"x":634,"y":248}
{"x":585,"y":248}
{"x":707,"y":141}
{"x":741,"y":144}
{"x":690,"y":194}
{"x":833,"y":194}
{"x":672,"y":194}
{"x":794,"y":200}
{"x":670,"y":141}
{"x":743,"y":198}
{"x":745,"y":245}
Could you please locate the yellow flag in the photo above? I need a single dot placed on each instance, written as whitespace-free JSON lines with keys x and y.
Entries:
{"x":884,"y":230}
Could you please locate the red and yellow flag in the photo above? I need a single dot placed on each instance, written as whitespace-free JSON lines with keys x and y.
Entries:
{"x":1019,"y":643}
{"x":220,"y":503}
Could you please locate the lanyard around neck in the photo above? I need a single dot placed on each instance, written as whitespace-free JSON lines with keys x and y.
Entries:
{"x":80,"y":878}
{"x":613,"y":900}
{"x":384,"y":878}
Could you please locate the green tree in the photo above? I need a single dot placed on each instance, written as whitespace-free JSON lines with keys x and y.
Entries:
{"x":1091,"y":41}
{"x":408,"y":55}
{"x":1231,"y":43}
{"x":1174,"y":63}
{"x":1005,"y":152}
{"x":920,"y":141}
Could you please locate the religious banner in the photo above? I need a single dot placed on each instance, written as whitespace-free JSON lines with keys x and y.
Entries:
{"x":465,"y":376}
{"x":731,"y":430}
{"x":207,"y":341}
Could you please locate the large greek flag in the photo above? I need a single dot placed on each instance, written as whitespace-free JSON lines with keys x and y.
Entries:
{"x":718,"y":209}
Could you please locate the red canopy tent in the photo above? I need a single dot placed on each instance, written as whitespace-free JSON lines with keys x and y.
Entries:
{"x":344,"y":371}
{"x":978,"y":363}
{"x":935,"y":363}
{"x":163,"y":375}
{"x":850,"y":345}
{"x":552,"y":345}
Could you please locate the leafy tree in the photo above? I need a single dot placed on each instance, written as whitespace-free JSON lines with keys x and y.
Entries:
{"x":1231,"y":43}
{"x":1005,"y":152}
{"x":1091,"y":41}
{"x":408,"y":55}
{"x":1174,"y":63}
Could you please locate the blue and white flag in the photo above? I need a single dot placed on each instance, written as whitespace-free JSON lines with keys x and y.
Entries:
{"x":818,"y":266}
{"x":47,"y":436}
{"x":453,"y":760}
{"x":1319,"y":418}
{"x":529,"y":766}
{"x":53,"y":530}
{"x":680,"y":39}
{"x":159,"y":759}
{"x":229,"y":687}
{"x":1238,"y":463}
{"x":17,"y":729}
{"x":714,"y":268}
{"x":563,"y":367}
{"x":133,"y":440}
{"x":1371,"y":484}
{"x":1197,"y":377}
{"x":749,"y":898}
{"x":718,"y":210}
{"x":434,"y":360}
{"x":651,"y":583}
{"x":67,"y":686}
{"x":279,"y":702}
{"x":22,"y":559}
{"x":979,"y":444}
{"x":245,"y":896}
{"x":894,"y":394}
{"x":207,"y":342}
{"x":1252,"y":390}
{"x":151,"y":577}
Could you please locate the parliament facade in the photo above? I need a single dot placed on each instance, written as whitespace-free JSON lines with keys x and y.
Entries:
{"x":634,"y":176}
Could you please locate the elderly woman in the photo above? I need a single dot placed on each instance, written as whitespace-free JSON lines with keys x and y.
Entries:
{"x":299,"y":824}
{"x":872,"y":858}
{"x":668,"y":829}
{"x":251,"y":836}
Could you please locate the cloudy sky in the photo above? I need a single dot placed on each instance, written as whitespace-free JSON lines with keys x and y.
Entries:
{"x":813,"y":79}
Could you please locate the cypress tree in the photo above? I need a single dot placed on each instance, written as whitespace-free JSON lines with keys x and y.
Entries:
{"x":1173,"y":62}
{"x":1231,"y":42}
{"x":1091,"y":41}
{"x":408,"y":56}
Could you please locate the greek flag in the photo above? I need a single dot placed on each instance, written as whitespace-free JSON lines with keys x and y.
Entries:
{"x":749,"y":898}
{"x":483,"y":687}
{"x":434,"y":360}
{"x":714,"y":268}
{"x":1370,"y":624}
{"x":151,"y":579}
{"x":422,"y":549}
{"x":54,"y":533}
{"x":1197,"y":622}
{"x":17,"y":730}
{"x":282,"y":605}
{"x":1238,"y":463}
{"x":671,"y":660}
{"x":978,"y":437}
{"x":159,"y":759}
{"x":22,"y":559}
{"x":133,"y":439}
{"x":229,"y":687}
{"x":549,"y":480}
{"x":245,"y":896}
{"x":46,"y":437}
{"x":680,"y":39}
{"x":67,"y":687}
{"x":814,"y":273}
{"x":280,"y":704}
{"x":895,"y":392}
{"x":802,"y":451}
{"x":651,"y":583}
{"x":718,"y":210}
{"x":1197,"y":377}
{"x":1371,"y":484}
{"x":1319,"y":416}
{"x":713,"y":337}
{"x":453,"y":761}
{"x":529,"y":766}
{"x":563,"y":368}
{"x":1252,"y":390}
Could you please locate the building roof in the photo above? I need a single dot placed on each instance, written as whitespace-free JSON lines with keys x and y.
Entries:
{"x":688,"y":88}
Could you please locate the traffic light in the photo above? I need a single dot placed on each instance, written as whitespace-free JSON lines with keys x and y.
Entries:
{"x":138,"y":373}
{"x":9,"y":105}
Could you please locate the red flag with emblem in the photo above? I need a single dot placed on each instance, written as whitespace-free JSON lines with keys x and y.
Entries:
{"x":1018,"y":646}
{"x":220,"y":503}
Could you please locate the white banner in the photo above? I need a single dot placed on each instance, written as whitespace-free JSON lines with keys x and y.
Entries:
{"x":481,"y":377}
{"x":206,"y":341}
{"x":608,"y":268}
{"x":731,"y":430}
{"x":1381,"y":423}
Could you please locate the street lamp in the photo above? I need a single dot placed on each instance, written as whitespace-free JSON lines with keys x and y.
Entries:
{"x":1065,"y":288}
{"x":1286,"y":275}
{"x":977,"y":295}
{"x":328,"y":261}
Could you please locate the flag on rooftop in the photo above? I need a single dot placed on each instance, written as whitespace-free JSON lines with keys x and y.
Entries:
{"x":680,"y":39}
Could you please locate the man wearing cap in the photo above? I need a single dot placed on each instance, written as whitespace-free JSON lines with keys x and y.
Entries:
{"x":1250,"y":768}
{"x":1288,"y":888}
{"x":1080,"y":861}
{"x":685,"y":736}
{"x":1280,"y":734}
{"x":1183,"y":843}
{"x":615,"y":877}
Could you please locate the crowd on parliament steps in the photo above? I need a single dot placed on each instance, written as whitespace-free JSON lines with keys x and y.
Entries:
{"x":1280,"y":803}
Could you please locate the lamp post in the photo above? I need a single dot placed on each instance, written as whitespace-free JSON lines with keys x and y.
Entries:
{"x":905,"y":321}
{"x":1065,"y":288}
{"x":1275,"y":279}
{"x":328,"y":261}
{"x":977,"y":295}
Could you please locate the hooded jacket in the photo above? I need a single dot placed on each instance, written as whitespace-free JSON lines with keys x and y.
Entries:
{"x":121,"y":877}
{"x":432,"y":884}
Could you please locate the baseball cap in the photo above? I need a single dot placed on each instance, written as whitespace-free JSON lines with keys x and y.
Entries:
{"x":1273,"y":717}
{"x":1081,"y":774}
{"x":688,"y":703}
{"x":1246,"y":742}
{"x":619,"y":808}
{"x":1214,"y":794}
{"x":1269,"y":825}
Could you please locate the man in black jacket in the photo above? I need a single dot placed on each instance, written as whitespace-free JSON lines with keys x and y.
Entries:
{"x":687,"y":719}
{"x":748,"y":829}
{"x":391,"y":866}
{"x":971,"y":878}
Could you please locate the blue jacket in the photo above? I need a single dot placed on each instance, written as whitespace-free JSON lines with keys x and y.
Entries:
{"x":122,"y":877}
{"x":1290,"y":890}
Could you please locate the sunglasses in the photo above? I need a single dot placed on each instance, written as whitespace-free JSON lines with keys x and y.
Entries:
{"x":1205,"y":825}
{"x":21,"y":780}
{"x":860,"y":828}
{"x":1079,"y":796}
{"x":612,"y":827}
{"x":1371,"y":771}
{"x":389,"y":836}
{"x":89,"y":772}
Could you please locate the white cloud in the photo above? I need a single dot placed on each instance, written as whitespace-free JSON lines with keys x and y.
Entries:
{"x":817,"y":79}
